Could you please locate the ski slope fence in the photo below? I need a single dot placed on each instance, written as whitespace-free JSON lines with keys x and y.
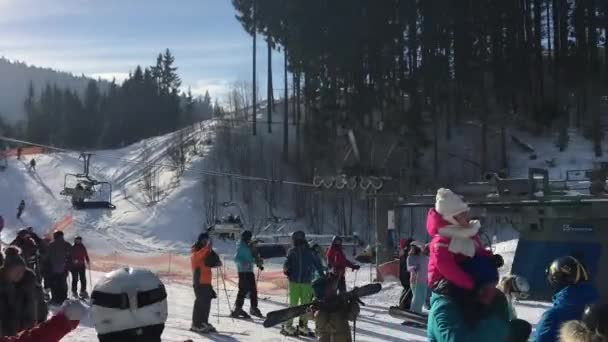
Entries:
{"x":176,"y":268}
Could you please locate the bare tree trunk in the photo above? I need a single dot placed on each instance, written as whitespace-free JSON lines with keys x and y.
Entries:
{"x":254,"y":85}
{"x":286,"y":115}
{"x":297,"y":113}
{"x":270,"y":99}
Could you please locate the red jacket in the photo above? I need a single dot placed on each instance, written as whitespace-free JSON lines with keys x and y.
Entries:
{"x":337,"y":260}
{"x":444,"y":264}
{"x":79,"y":255}
{"x":52,"y":330}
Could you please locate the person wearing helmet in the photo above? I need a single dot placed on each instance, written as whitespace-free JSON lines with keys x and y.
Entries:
{"x":337,"y":261}
{"x":592,"y":328}
{"x":515,"y":288}
{"x":59,"y":253}
{"x":203,"y":289}
{"x":244,"y":262}
{"x":129,"y":305}
{"x":573,"y":291}
{"x":78,"y":268}
{"x":300,"y":267}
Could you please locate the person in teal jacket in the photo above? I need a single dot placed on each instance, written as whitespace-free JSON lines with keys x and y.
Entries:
{"x":244,"y":262}
{"x":485,"y":316}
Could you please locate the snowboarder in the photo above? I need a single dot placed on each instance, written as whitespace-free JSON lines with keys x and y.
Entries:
{"x":79,"y":262}
{"x":33,"y":165}
{"x":337,"y":261}
{"x":417,"y":264}
{"x":20,"y":295}
{"x":59,"y":254}
{"x":203,"y":290}
{"x":20,"y":209}
{"x":332,"y":312}
{"x":573,"y":292}
{"x":592,"y":328}
{"x":405,"y":300}
{"x":247,"y":285}
{"x":299,"y":267}
{"x":129,"y":305}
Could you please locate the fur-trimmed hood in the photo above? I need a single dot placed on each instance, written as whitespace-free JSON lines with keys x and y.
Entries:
{"x":576,"y":331}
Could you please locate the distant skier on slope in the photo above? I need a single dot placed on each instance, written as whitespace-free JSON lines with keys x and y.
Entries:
{"x":129,"y":305}
{"x":20,"y":209}
{"x":80,"y":260}
{"x":337,"y":261}
{"x":33,"y":165}
{"x":300,"y":267}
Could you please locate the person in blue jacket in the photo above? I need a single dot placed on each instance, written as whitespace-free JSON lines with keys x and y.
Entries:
{"x":300,"y":267}
{"x":573,"y":292}
{"x":483,"y":316}
{"x":244,"y":262}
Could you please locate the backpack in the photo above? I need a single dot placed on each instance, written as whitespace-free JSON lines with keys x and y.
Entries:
{"x":213,"y":260}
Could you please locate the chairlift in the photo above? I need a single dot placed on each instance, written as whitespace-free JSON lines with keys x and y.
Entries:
{"x":228,"y":226}
{"x":87,"y":192}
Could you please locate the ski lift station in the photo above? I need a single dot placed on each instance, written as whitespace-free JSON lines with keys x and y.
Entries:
{"x":554,"y":218}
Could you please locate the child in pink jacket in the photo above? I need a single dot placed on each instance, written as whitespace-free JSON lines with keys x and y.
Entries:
{"x":454,"y":238}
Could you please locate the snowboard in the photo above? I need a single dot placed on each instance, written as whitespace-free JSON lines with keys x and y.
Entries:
{"x":277,"y":317}
{"x":411,"y":318}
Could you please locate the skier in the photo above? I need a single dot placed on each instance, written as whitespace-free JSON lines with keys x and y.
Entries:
{"x":417,"y":264}
{"x":80,"y":260}
{"x":515,"y":288}
{"x":203,"y":290}
{"x":20,"y":295}
{"x":405,"y":299}
{"x":28,"y":247}
{"x":53,"y":330}
{"x":592,"y":328}
{"x":59,"y":253}
{"x":129,"y":305}
{"x":33,"y":164}
{"x":299,"y":267}
{"x":19,"y":153}
{"x":332,"y":312}
{"x":337,"y":261}
{"x":573,"y":292}
{"x":20,"y":209}
{"x":244,"y":261}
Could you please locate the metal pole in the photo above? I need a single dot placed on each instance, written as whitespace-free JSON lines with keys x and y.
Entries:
{"x":217,"y":284}
{"x":375,"y":213}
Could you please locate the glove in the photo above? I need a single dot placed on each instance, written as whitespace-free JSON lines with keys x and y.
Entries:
{"x":498,"y":260}
{"x":74,"y":310}
{"x":261,"y":267}
{"x":356,"y":267}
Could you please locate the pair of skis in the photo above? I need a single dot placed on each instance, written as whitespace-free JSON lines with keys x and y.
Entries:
{"x":410,"y":318}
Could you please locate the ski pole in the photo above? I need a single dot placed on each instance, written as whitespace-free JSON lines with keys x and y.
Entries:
{"x":355,"y":329}
{"x":217,"y":284}
{"x":226,"y":290}
{"x":355,"y":282}
{"x":90,"y":279}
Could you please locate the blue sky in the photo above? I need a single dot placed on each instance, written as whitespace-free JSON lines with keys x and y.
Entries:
{"x":108,"y":38}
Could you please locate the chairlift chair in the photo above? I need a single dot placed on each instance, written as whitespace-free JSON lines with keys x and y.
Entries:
{"x":87,"y":192}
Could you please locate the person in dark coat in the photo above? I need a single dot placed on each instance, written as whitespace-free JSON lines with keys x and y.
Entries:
{"x":332,"y":312}
{"x":21,"y":304}
{"x":20,"y":209}
{"x":573,"y":292}
{"x":28,"y":246}
{"x":59,"y":253}
{"x":79,"y":262}
{"x":405,"y":299}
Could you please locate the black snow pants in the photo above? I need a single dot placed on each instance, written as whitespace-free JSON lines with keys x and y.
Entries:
{"x":202,"y":304}
{"x":247,"y":285}
{"x":79,"y":272}
{"x":59,"y":288}
{"x":342,"y":285}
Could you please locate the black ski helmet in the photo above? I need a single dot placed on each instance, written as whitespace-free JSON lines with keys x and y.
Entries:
{"x":566,"y":271}
{"x":596,"y":318}
{"x":298,"y":237}
{"x":246,"y":235}
{"x":58,"y":234}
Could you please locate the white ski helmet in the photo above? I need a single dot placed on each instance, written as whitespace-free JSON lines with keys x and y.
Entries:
{"x":127,"y":302}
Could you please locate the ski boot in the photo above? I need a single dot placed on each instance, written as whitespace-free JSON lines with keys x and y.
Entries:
{"x":239,"y":313}
{"x":210,"y":327}
{"x":289,"y":330}
{"x":304,"y":331}
{"x":84,"y":295}
{"x":255,"y":312}
{"x":75,"y":295}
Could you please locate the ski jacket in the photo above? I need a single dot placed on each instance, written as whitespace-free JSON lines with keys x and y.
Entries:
{"x":79,"y":255}
{"x":201,"y":273}
{"x":418,"y":267}
{"x":404,"y":273}
{"x":52,"y":330}
{"x":568,"y":304}
{"x":446,"y":323}
{"x":244,"y":258}
{"x":301,"y":264}
{"x":19,"y":303}
{"x":29,"y":249}
{"x":337,"y":261}
{"x":331,"y":321}
{"x":59,"y":254}
{"x":449,"y":247}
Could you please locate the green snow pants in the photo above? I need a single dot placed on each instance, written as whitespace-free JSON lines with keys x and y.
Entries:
{"x":300,"y":294}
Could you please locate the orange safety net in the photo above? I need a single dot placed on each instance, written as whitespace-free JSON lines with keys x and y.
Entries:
{"x":176,"y":268}
{"x":24,"y":151}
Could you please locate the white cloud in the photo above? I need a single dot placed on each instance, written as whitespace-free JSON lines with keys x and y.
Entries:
{"x":109,"y":76}
{"x":217,"y":87}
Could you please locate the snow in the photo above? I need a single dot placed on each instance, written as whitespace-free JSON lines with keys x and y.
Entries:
{"x":138,"y":230}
